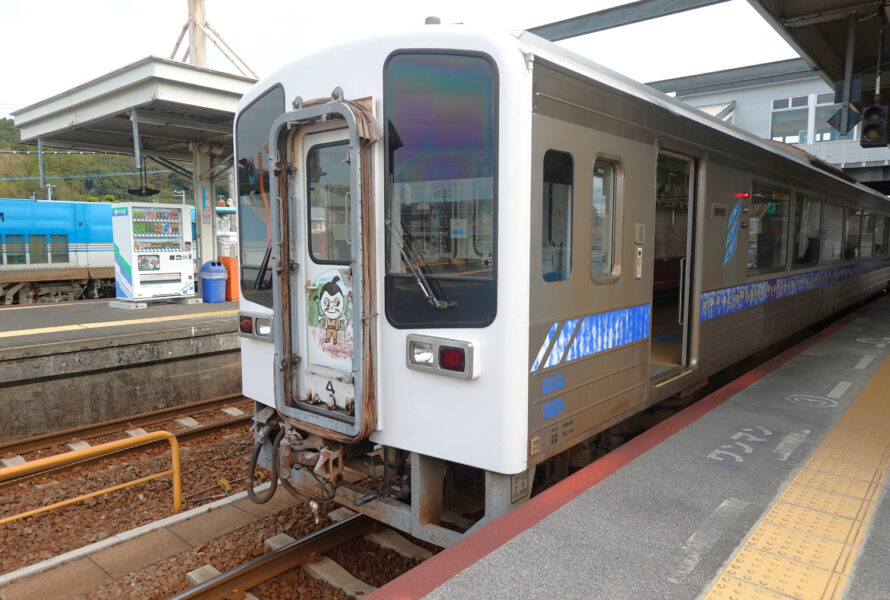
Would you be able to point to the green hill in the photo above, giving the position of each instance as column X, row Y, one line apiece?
column 79, row 176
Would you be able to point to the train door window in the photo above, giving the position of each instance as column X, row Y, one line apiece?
column 807, row 223
column 852, row 229
column 58, row 248
column 880, row 236
column 37, row 249
column 556, row 234
column 602, row 234
column 768, row 229
column 832, row 233
column 327, row 174
column 867, row 238
column 15, row 249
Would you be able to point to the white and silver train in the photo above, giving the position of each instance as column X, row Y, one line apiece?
column 464, row 254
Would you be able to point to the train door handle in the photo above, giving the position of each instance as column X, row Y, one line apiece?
column 347, row 214
column 682, row 290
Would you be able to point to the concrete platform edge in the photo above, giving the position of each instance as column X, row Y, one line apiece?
column 84, row 551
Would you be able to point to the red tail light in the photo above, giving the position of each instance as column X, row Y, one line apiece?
column 452, row 359
column 245, row 324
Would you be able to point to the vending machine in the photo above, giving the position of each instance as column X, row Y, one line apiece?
column 153, row 255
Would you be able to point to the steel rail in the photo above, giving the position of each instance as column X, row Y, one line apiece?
column 40, row 442
column 236, row 582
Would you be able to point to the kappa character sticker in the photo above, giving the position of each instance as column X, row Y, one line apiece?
column 331, row 305
column 330, row 315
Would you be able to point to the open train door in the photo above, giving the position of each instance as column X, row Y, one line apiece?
column 675, row 192
column 324, row 264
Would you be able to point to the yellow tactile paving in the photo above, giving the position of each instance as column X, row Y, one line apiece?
column 863, row 430
column 813, row 522
column 836, row 484
column 849, row 455
column 827, row 502
column 806, row 544
column 782, row 575
column 809, row 549
column 839, row 467
column 727, row 588
column 849, row 441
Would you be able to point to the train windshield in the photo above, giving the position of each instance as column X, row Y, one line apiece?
column 254, row 230
column 441, row 160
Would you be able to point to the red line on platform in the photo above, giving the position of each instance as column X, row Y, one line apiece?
column 426, row 577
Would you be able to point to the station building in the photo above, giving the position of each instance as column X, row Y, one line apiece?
column 786, row 101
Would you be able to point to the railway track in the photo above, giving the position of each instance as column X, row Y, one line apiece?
column 240, row 579
column 49, row 440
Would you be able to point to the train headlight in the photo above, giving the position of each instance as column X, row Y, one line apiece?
column 263, row 327
column 245, row 324
column 421, row 353
column 443, row 356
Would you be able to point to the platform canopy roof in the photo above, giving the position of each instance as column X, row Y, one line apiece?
column 818, row 30
column 176, row 104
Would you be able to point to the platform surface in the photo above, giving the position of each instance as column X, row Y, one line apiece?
column 48, row 323
column 773, row 487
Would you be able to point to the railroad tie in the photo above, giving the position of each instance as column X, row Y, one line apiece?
column 336, row 576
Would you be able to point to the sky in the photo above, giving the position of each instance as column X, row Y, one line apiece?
column 51, row 46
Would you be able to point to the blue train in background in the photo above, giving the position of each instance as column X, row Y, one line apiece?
column 53, row 250
column 58, row 250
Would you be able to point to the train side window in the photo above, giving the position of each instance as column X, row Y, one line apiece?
column 556, row 234
column 58, row 248
column 807, row 224
column 37, row 249
column 880, row 236
column 867, row 239
column 852, row 232
column 602, row 234
column 832, row 233
column 15, row 249
column 768, row 229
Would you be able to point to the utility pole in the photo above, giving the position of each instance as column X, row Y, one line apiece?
column 197, row 37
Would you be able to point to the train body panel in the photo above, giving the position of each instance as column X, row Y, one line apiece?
column 54, row 250
column 534, row 249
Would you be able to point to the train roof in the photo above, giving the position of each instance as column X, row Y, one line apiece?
column 455, row 36
column 584, row 66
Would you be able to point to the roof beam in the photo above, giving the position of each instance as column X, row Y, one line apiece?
column 867, row 10
column 618, row 16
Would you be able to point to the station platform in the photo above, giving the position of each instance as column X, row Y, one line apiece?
column 75, row 363
column 35, row 324
column 773, row 487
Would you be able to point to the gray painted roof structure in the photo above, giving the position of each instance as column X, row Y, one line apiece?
column 177, row 104
column 817, row 29
column 764, row 74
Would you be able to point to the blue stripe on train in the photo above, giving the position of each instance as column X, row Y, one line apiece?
column 595, row 333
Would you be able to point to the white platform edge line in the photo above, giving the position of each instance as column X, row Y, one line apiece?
column 840, row 389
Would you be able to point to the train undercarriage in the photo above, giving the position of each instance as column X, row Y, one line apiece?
column 431, row 499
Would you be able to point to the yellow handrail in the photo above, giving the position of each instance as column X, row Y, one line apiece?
column 35, row 466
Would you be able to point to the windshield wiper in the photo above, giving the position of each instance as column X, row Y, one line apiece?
column 421, row 279
column 264, row 267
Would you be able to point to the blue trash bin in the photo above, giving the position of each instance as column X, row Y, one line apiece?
column 213, row 281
